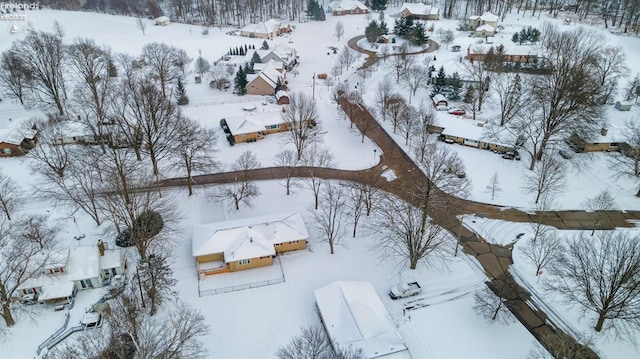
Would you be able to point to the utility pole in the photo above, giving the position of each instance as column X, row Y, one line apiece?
column 313, row 96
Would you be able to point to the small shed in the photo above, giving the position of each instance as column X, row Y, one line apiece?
column 282, row 98
column 623, row 106
column 439, row 100
column 162, row 21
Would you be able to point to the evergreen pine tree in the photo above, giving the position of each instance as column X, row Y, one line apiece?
column 240, row 82
column 469, row 94
column 256, row 58
column 419, row 34
column 181, row 94
column 245, row 49
column 515, row 38
column 454, row 83
column 372, row 31
column 265, row 45
column 440, row 82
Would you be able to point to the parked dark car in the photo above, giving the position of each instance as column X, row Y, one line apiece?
column 224, row 126
column 231, row 140
column 512, row 155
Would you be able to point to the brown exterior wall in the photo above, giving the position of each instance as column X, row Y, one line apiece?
column 260, row 87
column 255, row 263
column 254, row 136
column 15, row 150
column 288, row 246
column 599, row 147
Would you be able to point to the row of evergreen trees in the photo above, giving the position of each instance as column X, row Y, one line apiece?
column 376, row 29
column 241, row 50
column 450, row 86
column 529, row 34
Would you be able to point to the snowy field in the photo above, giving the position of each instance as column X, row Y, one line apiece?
column 254, row 323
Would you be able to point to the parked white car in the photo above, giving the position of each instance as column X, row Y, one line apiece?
column 405, row 290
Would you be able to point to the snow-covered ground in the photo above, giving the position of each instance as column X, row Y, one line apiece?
column 254, row 323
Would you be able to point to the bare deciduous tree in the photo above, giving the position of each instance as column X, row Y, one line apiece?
column 383, row 92
column 36, row 230
column 356, row 202
column 20, row 260
column 481, row 77
column 49, row 158
column 316, row 157
column 14, row 76
column 157, row 279
column 162, row 61
column 329, row 217
column 415, row 77
column 542, row 251
column 313, row 343
column 338, row 30
column 409, row 123
column 194, row 149
column 406, row 231
column 10, row 196
column 202, row 66
column 347, row 57
column 565, row 102
column 600, row 274
column 562, row 345
column 42, row 55
column 510, row 91
column 490, row 302
column 603, row 201
column 286, row 160
column 141, row 24
column 547, row 178
column 300, row 117
column 627, row 162
column 494, row 186
column 243, row 190
column 402, row 60
column 395, row 108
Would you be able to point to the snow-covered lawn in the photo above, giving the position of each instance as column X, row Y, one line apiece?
column 254, row 323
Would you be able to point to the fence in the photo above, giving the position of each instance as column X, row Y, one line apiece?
column 52, row 337
column 244, row 286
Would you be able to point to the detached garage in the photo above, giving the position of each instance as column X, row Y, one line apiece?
column 354, row 316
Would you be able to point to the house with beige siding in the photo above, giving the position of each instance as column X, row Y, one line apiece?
column 254, row 126
column 246, row 243
column 348, row 7
column 266, row 82
column 419, row 11
column 265, row 29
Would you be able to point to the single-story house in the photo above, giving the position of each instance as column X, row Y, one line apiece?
column 466, row 132
column 510, row 52
column 17, row 141
column 485, row 19
column 266, row 81
column 348, row 7
column 282, row 98
column 623, row 106
column 485, row 31
column 246, row 243
column 161, row 21
column 77, row 268
column 608, row 140
column 253, row 127
column 264, row 29
column 419, row 11
column 439, row 100
column 355, row 319
column 278, row 65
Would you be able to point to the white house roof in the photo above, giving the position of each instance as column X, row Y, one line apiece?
column 112, row 258
column 281, row 93
column 263, row 27
column 56, row 290
column 346, row 5
column 438, row 97
column 16, row 135
column 83, row 263
column 269, row 74
column 355, row 317
column 248, row 237
column 487, row 16
column 241, row 125
column 486, row 27
column 278, row 65
column 285, row 53
column 510, row 48
column 419, row 9
column 466, row 128
column 161, row 19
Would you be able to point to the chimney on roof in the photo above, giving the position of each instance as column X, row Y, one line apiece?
column 603, row 131
column 101, row 247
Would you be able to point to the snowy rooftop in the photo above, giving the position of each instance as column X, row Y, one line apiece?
column 485, row 27
column 354, row 316
column 487, row 16
column 248, row 237
column 13, row 131
column 419, row 9
column 510, row 48
column 264, row 27
column 276, row 64
column 347, row 5
column 56, row 290
column 112, row 258
column 253, row 122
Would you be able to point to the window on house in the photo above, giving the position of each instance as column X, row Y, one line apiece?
column 57, row 270
column 615, row 144
column 244, row 261
column 273, row 127
column 6, row 151
column 293, row 242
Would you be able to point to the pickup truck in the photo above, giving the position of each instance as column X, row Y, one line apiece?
column 405, row 290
